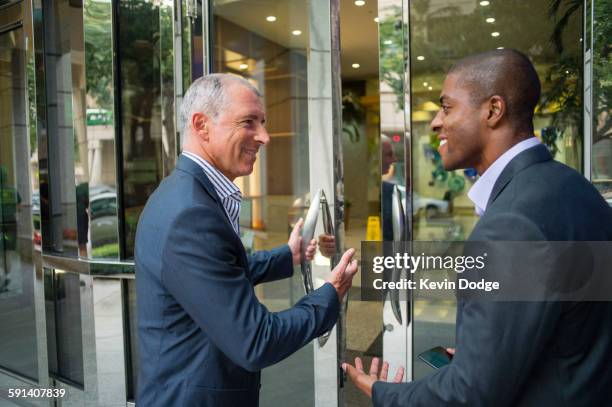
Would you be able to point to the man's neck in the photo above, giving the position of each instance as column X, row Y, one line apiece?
column 196, row 149
column 497, row 148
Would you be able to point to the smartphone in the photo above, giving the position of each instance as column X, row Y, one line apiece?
column 436, row 357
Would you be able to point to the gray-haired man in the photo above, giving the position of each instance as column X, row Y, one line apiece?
column 203, row 335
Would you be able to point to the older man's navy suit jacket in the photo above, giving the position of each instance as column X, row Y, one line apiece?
column 203, row 335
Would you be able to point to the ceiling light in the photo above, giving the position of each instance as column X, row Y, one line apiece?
column 271, row 19
column 490, row 20
column 376, row 19
column 567, row 72
column 421, row 58
column 359, row 3
column 494, row 34
column 296, row 32
column 484, row 3
column 425, row 84
column 430, row 88
column 387, row 42
column 243, row 67
column 355, row 66
column 500, row 47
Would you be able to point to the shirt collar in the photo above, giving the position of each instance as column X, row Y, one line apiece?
column 223, row 186
column 480, row 192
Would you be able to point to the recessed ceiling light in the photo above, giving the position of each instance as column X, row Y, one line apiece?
column 243, row 67
column 359, row 3
column 567, row 72
column 425, row 84
column 296, row 32
column 490, row 20
column 421, row 58
column 430, row 88
column 387, row 42
column 376, row 19
column 355, row 66
column 484, row 3
column 494, row 34
column 271, row 19
column 500, row 47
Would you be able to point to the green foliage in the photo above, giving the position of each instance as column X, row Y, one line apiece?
column 391, row 34
column 99, row 53
column 353, row 116
column 110, row 250
column 564, row 76
column 602, row 68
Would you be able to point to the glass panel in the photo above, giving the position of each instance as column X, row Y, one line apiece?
column 373, row 150
column 18, row 205
column 63, row 148
column 273, row 56
column 97, row 194
column 602, row 93
column 442, row 32
column 64, row 332
column 132, row 312
column 145, row 62
column 169, row 147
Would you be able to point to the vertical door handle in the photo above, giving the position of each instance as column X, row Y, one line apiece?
column 308, row 230
column 399, row 228
column 317, row 204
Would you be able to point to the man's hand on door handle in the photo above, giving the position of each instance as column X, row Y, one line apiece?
column 327, row 245
column 342, row 275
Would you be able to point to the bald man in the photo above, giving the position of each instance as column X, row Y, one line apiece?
column 512, row 353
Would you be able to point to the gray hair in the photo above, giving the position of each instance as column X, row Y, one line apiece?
column 208, row 95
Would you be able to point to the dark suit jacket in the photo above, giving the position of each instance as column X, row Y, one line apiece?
column 519, row 353
column 203, row 335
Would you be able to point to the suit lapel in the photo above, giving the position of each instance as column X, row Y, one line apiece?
column 523, row 160
column 187, row 165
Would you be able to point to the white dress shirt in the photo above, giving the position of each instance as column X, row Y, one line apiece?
column 228, row 192
column 481, row 190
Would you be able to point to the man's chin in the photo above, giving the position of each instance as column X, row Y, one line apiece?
column 246, row 169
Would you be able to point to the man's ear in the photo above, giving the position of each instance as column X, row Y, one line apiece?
column 199, row 124
column 496, row 110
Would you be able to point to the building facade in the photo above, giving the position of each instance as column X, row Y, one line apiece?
column 89, row 97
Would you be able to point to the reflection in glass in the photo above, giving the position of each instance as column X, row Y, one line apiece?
column 63, row 320
column 132, row 371
column 18, row 171
column 277, row 192
column 363, row 117
column 141, row 110
column 442, row 33
column 66, row 146
column 96, row 195
column 602, row 93
column 169, row 151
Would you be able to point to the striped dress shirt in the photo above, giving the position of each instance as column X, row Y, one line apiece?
column 228, row 192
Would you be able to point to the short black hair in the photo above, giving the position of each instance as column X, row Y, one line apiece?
column 504, row 72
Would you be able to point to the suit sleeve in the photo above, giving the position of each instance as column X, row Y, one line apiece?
column 200, row 272
column 271, row 265
column 497, row 344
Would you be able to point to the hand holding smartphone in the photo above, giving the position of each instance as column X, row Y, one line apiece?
column 436, row 357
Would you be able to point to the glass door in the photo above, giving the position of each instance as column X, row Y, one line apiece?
column 287, row 49
column 18, row 204
column 376, row 166
column 442, row 32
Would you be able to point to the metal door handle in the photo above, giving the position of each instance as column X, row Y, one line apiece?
column 399, row 227
column 308, row 230
column 318, row 204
